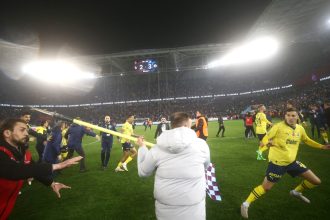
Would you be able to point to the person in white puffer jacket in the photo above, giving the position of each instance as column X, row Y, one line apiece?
column 180, row 159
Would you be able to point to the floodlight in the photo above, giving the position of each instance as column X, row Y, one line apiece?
column 256, row 50
column 56, row 71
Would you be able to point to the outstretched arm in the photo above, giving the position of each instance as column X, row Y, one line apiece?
column 310, row 142
column 145, row 159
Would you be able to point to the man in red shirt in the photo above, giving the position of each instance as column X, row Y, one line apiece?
column 16, row 165
column 248, row 122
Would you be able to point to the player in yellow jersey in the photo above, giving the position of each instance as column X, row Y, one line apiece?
column 284, row 139
column 129, row 151
column 261, row 130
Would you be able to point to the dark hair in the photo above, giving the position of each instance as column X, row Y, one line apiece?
column 291, row 110
column 25, row 113
column 43, row 122
column 178, row 118
column 128, row 116
column 290, row 102
column 9, row 124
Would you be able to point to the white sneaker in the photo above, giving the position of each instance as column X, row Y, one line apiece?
column 245, row 210
column 299, row 195
column 118, row 169
column 124, row 166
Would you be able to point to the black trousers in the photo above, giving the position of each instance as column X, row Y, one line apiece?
column 221, row 128
column 81, row 152
column 248, row 129
column 40, row 149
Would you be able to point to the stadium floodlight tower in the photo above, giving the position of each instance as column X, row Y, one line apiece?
column 256, row 50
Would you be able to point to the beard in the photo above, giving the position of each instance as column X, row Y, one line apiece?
column 21, row 142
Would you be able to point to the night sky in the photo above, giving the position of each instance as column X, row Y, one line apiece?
column 99, row 27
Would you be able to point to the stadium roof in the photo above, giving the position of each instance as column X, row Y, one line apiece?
column 169, row 59
column 292, row 21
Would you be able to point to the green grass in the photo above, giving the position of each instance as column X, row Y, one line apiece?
column 108, row 195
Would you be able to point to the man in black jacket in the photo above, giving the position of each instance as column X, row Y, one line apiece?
column 16, row 165
column 221, row 126
column 162, row 126
column 107, row 141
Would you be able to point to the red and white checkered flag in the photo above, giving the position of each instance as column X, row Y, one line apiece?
column 212, row 188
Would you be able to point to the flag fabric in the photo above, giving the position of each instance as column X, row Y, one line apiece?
column 212, row 187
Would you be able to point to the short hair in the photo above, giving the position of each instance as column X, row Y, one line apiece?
column 25, row 113
column 43, row 122
column 178, row 118
column 261, row 105
column 9, row 124
column 130, row 115
column 291, row 110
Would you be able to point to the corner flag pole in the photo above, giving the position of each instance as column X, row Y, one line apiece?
column 89, row 125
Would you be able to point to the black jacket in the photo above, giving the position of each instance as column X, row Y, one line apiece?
column 159, row 129
column 12, row 170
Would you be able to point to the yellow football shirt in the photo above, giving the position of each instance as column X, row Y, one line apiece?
column 64, row 140
column 261, row 123
column 41, row 130
column 285, row 143
column 128, row 130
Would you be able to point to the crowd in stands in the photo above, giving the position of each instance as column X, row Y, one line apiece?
column 228, row 106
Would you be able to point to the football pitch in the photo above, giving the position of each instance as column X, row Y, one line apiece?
column 99, row 194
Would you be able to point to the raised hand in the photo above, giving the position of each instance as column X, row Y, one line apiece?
column 57, row 187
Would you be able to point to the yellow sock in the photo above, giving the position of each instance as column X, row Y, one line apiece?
column 304, row 185
column 129, row 159
column 325, row 136
column 119, row 164
column 255, row 194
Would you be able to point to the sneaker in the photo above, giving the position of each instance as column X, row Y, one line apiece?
column 259, row 156
column 118, row 169
column 244, row 210
column 300, row 196
column 124, row 166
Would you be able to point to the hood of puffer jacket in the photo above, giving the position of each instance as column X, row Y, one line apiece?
column 176, row 140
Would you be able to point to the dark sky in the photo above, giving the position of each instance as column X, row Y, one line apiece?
column 96, row 27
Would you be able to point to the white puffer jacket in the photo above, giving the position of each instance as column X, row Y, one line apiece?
column 180, row 159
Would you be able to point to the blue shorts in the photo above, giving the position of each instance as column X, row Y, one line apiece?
column 275, row 172
column 127, row 146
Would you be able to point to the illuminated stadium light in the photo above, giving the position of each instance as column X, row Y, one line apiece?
column 56, row 71
column 120, row 102
column 244, row 93
column 325, row 78
column 257, row 50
